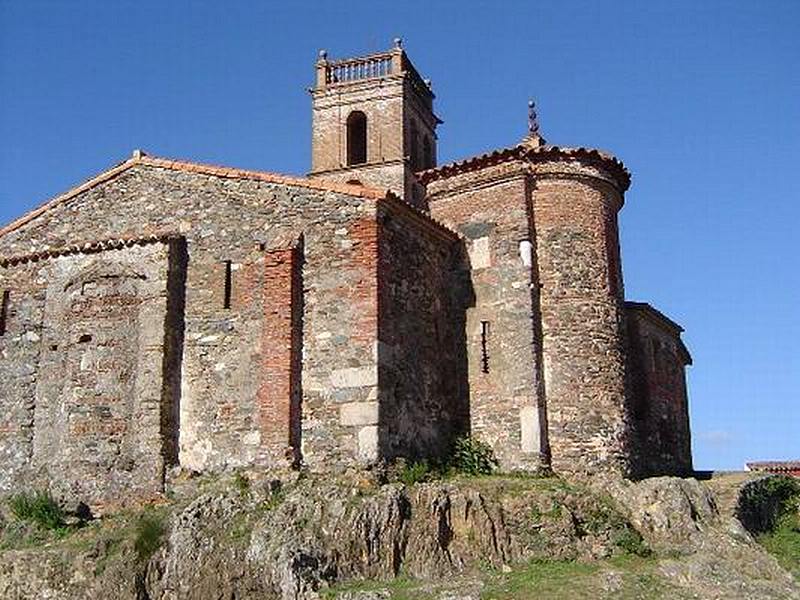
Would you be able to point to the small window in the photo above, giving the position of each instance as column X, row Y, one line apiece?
column 4, row 312
column 414, row 147
column 356, row 138
column 427, row 153
column 226, row 304
column 485, row 346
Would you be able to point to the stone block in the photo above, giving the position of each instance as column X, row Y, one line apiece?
column 368, row 443
column 480, row 256
column 529, row 428
column 355, row 377
column 359, row 413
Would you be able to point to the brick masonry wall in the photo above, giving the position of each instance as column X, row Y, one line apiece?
column 279, row 394
column 393, row 110
column 382, row 101
column 94, row 389
column 421, row 351
column 491, row 209
column 659, row 409
column 575, row 209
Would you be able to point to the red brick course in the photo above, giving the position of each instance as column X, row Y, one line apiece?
column 278, row 399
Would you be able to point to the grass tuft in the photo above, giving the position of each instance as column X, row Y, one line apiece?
column 417, row 472
column 149, row 534
column 783, row 542
column 242, row 484
column 40, row 509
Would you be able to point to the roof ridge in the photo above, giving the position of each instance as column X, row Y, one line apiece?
column 268, row 176
column 101, row 245
column 68, row 195
column 140, row 158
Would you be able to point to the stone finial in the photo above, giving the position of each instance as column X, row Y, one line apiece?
column 398, row 43
column 323, row 54
column 137, row 154
column 533, row 120
column 534, row 138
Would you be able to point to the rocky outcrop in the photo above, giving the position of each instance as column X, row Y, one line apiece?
column 231, row 539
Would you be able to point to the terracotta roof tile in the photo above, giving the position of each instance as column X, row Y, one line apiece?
column 87, row 248
column 533, row 153
column 774, row 465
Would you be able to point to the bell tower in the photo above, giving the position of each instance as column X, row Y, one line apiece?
column 373, row 122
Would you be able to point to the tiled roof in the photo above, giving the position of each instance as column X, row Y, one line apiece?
column 532, row 153
column 86, row 248
column 774, row 465
column 139, row 158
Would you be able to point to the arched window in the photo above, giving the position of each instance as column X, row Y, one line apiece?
column 427, row 153
column 356, row 138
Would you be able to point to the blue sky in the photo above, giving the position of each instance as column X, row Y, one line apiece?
column 701, row 100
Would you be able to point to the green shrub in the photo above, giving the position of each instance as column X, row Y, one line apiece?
column 471, row 456
column 416, row 472
column 150, row 532
column 38, row 508
column 630, row 541
column 764, row 502
column 784, row 542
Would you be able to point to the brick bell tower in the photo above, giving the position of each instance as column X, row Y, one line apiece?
column 373, row 122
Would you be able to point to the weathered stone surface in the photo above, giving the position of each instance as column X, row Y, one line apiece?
column 101, row 407
column 294, row 542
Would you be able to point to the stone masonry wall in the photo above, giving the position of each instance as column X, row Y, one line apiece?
column 95, row 392
column 20, row 352
column 421, row 349
column 575, row 209
column 491, row 209
column 341, row 375
column 235, row 220
column 659, row 410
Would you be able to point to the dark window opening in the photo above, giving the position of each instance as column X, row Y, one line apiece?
column 414, row 150
column 356, row 138
column 85, row 339
column 485, row 346
column 427, row 153
column 4, row 312
column 228, row 284
column 612, row 249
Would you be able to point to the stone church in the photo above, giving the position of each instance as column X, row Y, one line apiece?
column 169, row 313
